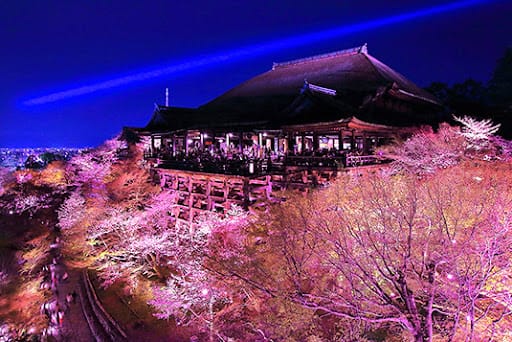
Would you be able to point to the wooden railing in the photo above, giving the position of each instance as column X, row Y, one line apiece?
column 248, row 167
column 103, row 327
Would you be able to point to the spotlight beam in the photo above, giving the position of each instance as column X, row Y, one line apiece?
column 248, row 52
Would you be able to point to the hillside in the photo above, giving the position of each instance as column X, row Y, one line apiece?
column 420, row 251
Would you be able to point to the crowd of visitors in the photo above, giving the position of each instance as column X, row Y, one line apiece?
column 254, row 159
column 56, row 309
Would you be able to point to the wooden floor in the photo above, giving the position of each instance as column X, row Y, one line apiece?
column 197, row 192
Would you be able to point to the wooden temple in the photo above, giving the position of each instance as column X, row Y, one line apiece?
column 303, row 121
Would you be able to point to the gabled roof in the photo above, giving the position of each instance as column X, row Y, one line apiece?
column 314, row 104
column 171, row 118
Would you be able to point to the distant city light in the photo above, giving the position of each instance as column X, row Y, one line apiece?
column 247, row 52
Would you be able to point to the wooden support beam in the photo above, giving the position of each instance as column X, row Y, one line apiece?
column 208, row 195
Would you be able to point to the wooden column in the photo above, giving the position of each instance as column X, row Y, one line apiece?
column 302, row 142
column 186, row 143
column 190, row 199
column 340, row 140
column 214, row 142
column 174, row 140
column 353, row 140
column 208, row 191
column 316, row 144
column 291, row 142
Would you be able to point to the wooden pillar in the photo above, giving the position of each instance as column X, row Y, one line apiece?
column 316, row 143
column 276, row 144
column 152, row 144
column 174, row 140
column 291, row 142
column 241, row 142
column 190, row 199
column 268, row 188
column 302, row 142
column 186, row 143
column 246, row 192
column 365, row 144
column 208, row 192
column 340, row 140
column 353, row 140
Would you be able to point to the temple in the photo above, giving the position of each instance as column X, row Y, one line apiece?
column 308, row 116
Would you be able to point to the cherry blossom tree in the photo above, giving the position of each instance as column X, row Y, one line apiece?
column 430, row 256
column 72, row 211
column 428, row 151
column 91, row 167
column 192, row 291
column 478, row 133
column 6, row 177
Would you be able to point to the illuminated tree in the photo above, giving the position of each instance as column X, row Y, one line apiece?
column 72, row 211
column 91, row 167
column 478, row 134
column 193, row 292
column 430, row 256
column 426, row 151
column 6, row 177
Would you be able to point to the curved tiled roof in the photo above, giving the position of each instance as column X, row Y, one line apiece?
column 343, row 83
column 352, row 70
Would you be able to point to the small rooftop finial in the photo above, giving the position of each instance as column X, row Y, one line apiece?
column 364, row 48
column 167, row 97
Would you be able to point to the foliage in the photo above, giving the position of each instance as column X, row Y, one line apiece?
column 53, row 175
column 430, row 256
column 192, row 292
column 91, row 167
column 6, row 178
column 500, row 85
column 72, row 211
column 426, row 151
column 478, row 134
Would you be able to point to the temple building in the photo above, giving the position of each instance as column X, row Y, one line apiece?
column 342, row 105
column 296, row 126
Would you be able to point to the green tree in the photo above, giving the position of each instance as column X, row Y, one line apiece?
column 500, row 85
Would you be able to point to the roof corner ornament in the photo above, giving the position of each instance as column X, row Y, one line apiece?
column 364, row 48
column 305, row 86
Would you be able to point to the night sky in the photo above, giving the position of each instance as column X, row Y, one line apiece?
column 55, row 46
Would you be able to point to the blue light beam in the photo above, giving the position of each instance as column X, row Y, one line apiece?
column 249, row 52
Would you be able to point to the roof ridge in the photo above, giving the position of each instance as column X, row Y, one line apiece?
column 319, row 89
column 350, row 51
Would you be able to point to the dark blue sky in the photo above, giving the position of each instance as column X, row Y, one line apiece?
column 52, row 46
